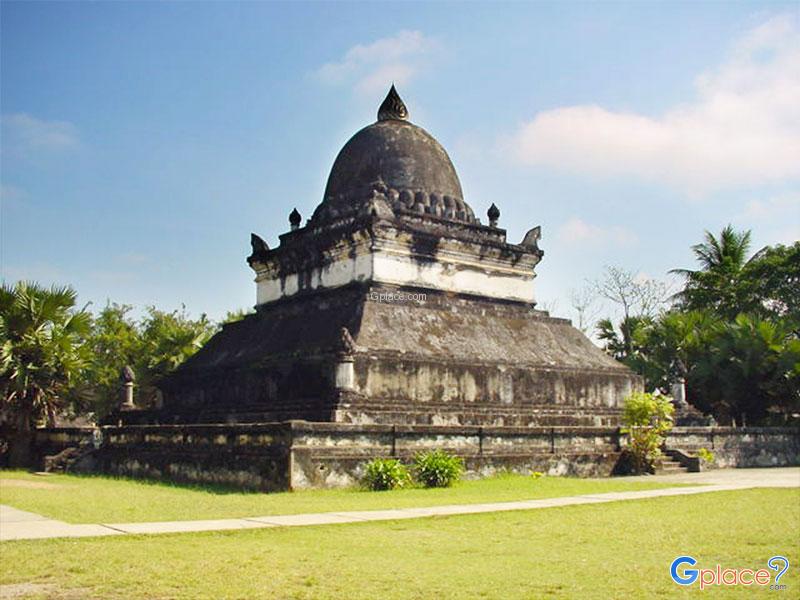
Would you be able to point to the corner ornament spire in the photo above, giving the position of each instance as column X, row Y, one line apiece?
column 392, row 107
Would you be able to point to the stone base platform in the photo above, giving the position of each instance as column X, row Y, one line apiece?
column 300, row 454
column 433, row 359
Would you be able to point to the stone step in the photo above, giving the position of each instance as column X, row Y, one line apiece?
column 670, row 467
column 670, row 471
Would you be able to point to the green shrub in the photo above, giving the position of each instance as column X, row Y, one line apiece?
column 385, row 474
column 706, row 455
column 646, row 418
column 437, row 468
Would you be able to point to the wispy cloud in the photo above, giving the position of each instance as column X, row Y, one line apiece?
column 776, row 217
column 370, row 68
column 578, row 231
column 781, row 206
column 743, row 127
column 24, row 134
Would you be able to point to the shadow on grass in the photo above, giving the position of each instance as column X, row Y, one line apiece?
column 211, row 488
column 230, row 489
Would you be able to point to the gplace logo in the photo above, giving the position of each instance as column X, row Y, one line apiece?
column 719, row 576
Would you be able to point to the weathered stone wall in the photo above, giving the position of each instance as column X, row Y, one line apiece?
column 399, row 388
column 440, row 359
column 741, row 446
column 243, row 455
column 331, row 455
column 299, row 454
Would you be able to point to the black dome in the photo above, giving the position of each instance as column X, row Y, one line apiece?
column 399, row 160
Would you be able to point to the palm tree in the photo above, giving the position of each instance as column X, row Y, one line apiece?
column 41, row 357
column 721, row 284
column 751, row 366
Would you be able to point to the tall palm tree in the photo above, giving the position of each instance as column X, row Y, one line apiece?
column 720, row 284
column 41, row 356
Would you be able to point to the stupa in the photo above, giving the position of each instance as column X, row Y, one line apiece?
column 394, row 304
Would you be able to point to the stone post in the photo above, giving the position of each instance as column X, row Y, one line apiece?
column 679, row 393
column 345, row 376
column 128, row 392
column 344, row 371
column 127, row 378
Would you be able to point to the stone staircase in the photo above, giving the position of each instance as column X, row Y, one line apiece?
column 67, row 459
column 676, row 462
column 670, row 467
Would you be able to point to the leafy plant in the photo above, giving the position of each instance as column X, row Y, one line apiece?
column 706, row 455
column 646, row 418
column 385, row 474
column 437, row 468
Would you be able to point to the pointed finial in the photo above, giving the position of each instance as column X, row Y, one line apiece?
column 493, row 213
column 294, row 219
column 392, row 107
column 259, row 245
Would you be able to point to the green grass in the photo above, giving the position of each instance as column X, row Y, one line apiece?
column 94, row 499
column 617, row 550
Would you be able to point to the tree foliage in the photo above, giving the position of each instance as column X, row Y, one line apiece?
column 152, row 346
column 56, row 359
column 746, row 368
column 41, row 352
column 732, row 333
column 168, row 339
column 719, row 285
column 639, row 299
column 114, row 343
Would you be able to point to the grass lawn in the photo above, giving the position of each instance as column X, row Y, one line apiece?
column 94, row 499
column 618, row 550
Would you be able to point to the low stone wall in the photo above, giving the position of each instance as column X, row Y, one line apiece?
column 299, row 454
column 334, row 454
column 246, row 456
column 740, row 446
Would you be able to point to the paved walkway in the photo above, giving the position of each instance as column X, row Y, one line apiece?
column 20, row 525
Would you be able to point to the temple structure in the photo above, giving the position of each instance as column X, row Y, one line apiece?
column 391, row 323
column 394, row 304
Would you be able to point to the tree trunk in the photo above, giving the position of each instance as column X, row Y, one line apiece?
column 20, row 451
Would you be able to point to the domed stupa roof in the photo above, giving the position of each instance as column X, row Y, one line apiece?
column 399, row 160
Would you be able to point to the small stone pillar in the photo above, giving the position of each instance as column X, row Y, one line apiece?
column 679, row 393
column 127, row 377
column 294, row 220
column 494, row 214
column 344, row 377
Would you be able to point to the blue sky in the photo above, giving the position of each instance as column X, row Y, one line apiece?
column 143, row 142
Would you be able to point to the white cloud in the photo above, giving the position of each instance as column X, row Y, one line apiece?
column 776, row 219
column 371, row 68
column 24, row 133
column 743, row 127
column 578, row 231
column 783, row 207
